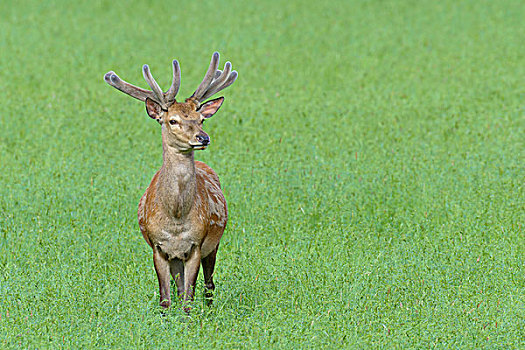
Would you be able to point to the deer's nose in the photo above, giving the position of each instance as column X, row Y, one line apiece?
column 204, row 139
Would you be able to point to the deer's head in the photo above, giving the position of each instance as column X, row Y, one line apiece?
column 181, row 121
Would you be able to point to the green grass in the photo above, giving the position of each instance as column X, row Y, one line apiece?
column 371, row 153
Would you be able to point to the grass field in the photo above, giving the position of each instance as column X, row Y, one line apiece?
column 371, row 153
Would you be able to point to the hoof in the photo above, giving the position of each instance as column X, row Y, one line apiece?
column 208, row 297
column 165, row 304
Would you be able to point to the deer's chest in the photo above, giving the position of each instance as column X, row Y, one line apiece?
column 176, row 239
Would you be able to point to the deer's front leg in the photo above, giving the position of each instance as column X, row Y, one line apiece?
column 162, row 267
column 191, row 270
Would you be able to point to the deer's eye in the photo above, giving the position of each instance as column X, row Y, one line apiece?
column 173, row 122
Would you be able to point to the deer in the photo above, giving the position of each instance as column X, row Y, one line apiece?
column 183, row 213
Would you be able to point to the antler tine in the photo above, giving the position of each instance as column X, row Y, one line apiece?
column 175, row 85
column 134, row 91
column 154, row 86
column 231, row 78
column 218, row 81
column 210, row 74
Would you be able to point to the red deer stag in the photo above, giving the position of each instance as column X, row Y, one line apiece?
column 182, row 214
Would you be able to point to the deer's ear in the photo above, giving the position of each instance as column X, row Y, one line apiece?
column 209, row 108
column 154, row 110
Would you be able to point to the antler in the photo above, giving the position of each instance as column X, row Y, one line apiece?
column 214, row 80
column 165, row 99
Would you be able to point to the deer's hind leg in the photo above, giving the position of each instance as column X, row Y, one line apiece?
column 177, row 272
column 208, row 266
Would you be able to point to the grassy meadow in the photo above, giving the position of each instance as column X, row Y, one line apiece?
column 371, row 153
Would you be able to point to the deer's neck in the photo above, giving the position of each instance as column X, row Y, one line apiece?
column 177, row 183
